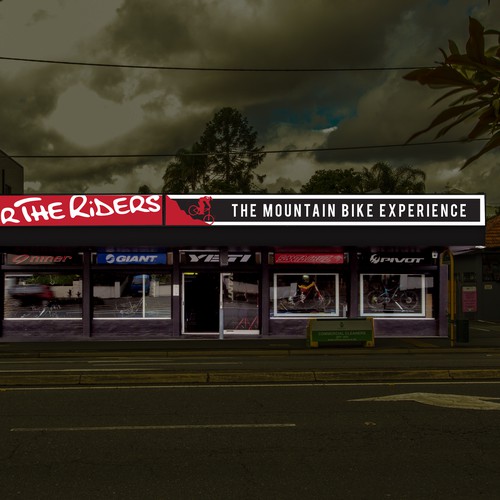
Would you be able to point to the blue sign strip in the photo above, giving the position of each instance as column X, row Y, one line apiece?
column 131, row 258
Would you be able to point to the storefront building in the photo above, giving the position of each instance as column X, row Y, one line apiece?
column 11, row 175
column 477, row 277
column 130, row 267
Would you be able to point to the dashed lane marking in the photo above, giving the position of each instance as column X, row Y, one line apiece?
column 151, row 427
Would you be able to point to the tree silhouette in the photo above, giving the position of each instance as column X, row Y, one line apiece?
column 223, row 160
column 380, row 177
column 389, row 180
column 336, row 181
column 475, row 72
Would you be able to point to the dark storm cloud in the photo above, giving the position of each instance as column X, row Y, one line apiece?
column 39, row 15
column 172, row 107
column 26, row 100
column 253, row 33
column 258, row 34
column 393, row 110
column 152, row 31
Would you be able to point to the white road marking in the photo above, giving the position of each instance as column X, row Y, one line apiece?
column 121, row 369
column 132, row 362
column 239, row 386
column 168, row 363
column 150, row 427
column 444, row 400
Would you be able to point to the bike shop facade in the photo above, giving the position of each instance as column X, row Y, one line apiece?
column 130, row 267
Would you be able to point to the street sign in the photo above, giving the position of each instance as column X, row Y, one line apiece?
column 331, row 331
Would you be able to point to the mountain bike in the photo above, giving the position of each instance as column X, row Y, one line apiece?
column 128, row 308
column 51, row 310
column 405, row 300
column 311, row 300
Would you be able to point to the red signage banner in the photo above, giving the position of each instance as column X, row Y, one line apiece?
column 308, row 258
column 237, row 210
column 34, row 260
column 81, row 210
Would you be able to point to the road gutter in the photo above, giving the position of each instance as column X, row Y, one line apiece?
column 238, row 377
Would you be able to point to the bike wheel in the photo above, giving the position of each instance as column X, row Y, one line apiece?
column 285, row 304
column 323, row 301
column 375, row 300
column 209, row 219
column 193, row 210
column 409, row 300
column 291, row 304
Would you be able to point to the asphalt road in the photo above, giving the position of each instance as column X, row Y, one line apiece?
column 271, row 366
column 318, row 441
column 257, row 362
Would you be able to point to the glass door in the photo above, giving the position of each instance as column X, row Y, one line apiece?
column 240, row 299
column 203, row 293
column 200, row 302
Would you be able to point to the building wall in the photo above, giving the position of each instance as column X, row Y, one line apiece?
column 11, row 175
column 479, row 271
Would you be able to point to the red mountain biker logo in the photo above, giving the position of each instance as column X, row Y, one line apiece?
column 202, row 209
column 188, row 211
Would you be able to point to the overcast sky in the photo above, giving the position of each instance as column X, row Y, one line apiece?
column 51, row 109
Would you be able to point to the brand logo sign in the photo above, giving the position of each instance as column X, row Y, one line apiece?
column 131, row 258
column 81, row 210
column 27, row 259
column 309, row 258
column 376, row 258
column 214, row 258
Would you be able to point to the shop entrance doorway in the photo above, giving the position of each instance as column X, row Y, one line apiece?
column 201, row 302
column 210, row 296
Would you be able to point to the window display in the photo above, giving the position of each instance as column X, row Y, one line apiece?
column 241, row 302
column 52, row 295
column 392, row 294
column 313, row 294
column 129, row 295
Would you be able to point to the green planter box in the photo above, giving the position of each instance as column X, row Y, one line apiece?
column 331, row 331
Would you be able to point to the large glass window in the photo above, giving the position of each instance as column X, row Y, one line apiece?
column 241, row 302
column 396, row 295
column 54, row 295
column 305, row 294
column 125, row 294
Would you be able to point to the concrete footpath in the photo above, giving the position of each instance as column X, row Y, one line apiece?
column 229, row 361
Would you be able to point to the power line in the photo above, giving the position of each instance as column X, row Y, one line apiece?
column 201, row 68
column 241, row 153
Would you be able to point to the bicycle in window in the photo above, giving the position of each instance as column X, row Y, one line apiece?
column 308, row 299
column 50, row 310
column 404, row 300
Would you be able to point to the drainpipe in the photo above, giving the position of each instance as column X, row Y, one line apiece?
column 452, row 300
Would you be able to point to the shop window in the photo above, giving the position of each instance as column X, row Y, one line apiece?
column 305, row 294
column 54, row 295
column 469, row 277
column 396, row 295
column 491, row 267
column 241, row 302
column 128, row 295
